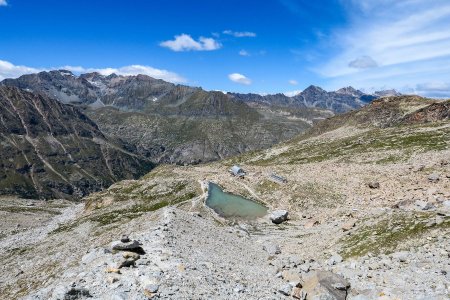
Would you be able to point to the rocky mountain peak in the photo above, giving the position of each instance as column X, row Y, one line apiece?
column 349, row 90
column 112, row 76
column 61, row 72
column 92, row 76
column 313, row 89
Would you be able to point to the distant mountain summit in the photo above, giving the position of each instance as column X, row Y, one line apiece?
column 387, row 93
column 127, row 92
column 350, row 91
column 342, row 100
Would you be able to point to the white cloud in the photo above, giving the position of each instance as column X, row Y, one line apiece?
column 292, row 93
column 3, row 3
column 244, row 53
column 293, row 82
column 9, row 70
column 239, row 33
column 239, row 78
column 401, row 43
column 184, row 42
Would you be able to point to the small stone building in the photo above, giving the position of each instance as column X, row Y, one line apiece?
column 237, row 171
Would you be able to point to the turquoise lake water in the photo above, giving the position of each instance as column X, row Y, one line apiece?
column 233, row 206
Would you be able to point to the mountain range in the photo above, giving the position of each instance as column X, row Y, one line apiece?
column 144, row 93
column 133, row 122
column 173, row 123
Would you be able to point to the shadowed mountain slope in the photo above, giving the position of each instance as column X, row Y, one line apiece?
column 52, row 150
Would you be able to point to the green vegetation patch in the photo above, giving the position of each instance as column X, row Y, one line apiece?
column 389, row 233
column 407, row 139
column 27, row 209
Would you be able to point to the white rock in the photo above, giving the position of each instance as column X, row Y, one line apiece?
column 278, row 216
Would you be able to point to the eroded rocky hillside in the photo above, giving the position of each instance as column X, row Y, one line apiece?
column 52, row 150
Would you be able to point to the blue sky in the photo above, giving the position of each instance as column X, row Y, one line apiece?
column 246, row 46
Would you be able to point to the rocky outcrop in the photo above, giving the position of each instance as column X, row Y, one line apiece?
column 52, row 150
column 435, row 112
column 386, row 112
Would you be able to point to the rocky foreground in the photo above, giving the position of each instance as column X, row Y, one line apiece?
column 190, row 253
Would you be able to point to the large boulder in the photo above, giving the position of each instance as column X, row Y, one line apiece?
column 326, row 285
column 279, row 216
column 132, row 246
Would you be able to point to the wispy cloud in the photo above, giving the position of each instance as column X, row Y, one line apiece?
column 363, row 62
column 437, row 89
column 3, row 3
column 293, row 82
column 239, row 33
column 239, row 78
column 184, row 42
column 244, row 53
column 9, row 70
column 401, row 43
